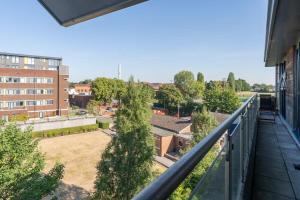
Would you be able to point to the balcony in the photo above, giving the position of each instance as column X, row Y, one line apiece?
column 255, row 160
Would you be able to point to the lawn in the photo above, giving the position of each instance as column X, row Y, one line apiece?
column 80, row 154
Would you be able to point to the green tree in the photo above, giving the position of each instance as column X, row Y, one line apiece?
column 86, row 81
column 212, row 95
column 103, row 90
column 21, row 166
column 119, row 89
column 220, row 99
column 202, row 124
column 185, row 82
column 126, row 164
column 93, row 107
column 242, row 85
column 229, row 101
column 200, row 77
column 169, row 96
column 231, row 81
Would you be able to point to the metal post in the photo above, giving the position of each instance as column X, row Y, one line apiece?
column 242, row 138
column 228, row 166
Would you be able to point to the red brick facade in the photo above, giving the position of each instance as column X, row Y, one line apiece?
column 56, row 101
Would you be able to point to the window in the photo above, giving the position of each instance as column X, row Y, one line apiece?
column 54, row 62
column 29, row 61
column 49, row 80
column 15, row 59
column 31, row 103
column 52, row 68
column 50, row 102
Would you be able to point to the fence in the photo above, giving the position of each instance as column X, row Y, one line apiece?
column 57, row 123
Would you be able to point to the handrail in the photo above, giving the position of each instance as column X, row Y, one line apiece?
column 165, row 184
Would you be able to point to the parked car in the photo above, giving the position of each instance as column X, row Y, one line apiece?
column 81, row 112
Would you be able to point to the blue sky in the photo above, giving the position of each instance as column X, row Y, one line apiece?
column 153, row 40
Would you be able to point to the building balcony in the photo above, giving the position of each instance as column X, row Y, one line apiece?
column 255, row 160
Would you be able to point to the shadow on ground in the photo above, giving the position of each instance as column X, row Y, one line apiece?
column 69, row 192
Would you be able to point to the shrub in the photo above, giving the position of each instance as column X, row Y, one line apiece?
column 103, row 125
column 18, row 118
column 2, row 122
column 65, row 131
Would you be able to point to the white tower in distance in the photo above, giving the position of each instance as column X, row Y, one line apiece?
column 119, row 71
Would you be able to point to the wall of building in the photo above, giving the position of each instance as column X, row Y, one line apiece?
column 80, row 100
column 167, row 144
column 40, row 68
column 57, row 124
column 289, row 68
column 186, row 130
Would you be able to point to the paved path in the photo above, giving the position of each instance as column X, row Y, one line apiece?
column 164, row 161
column 276, row 152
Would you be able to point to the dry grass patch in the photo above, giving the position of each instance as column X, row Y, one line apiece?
column 79, row 153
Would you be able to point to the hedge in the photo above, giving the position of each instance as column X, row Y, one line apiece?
column 103, row 125
column 18, row 118
column 64, row 131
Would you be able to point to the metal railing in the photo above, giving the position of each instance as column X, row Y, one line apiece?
column 226, row 177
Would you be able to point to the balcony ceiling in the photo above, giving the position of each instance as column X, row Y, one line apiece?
column 283, row 29
column 70, row 12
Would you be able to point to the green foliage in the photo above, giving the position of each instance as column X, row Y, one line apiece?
column 2, row 122
column 103, row 125
column 106, row 89
column 18, row 118
column 220, row 98
column 189, row 106
column 169, row 96
column 86, row 81
column 93, row 107
column 200, row 77
column 149, row 91
column 119, row 88
column 242, row 85
column 103, row 90
column 212, row 96
column 65, row 131
column 263, row 88
column 126, row 164
column 229, row 101
column 21, row 166
column 189, row 88
column 231, row 81
column 202, row 123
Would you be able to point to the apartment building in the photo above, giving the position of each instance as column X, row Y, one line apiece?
column 36, row 86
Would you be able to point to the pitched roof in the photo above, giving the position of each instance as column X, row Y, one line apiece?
column 220, row 117
column 170, row 123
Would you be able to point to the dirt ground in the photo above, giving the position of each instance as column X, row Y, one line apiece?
column 80, row 154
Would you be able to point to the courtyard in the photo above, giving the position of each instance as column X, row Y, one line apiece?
column 80, row 154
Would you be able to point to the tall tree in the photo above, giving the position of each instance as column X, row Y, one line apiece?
column 169, row 96
column 231, row 81
column 200, row 77
column 126, row 164
column 21, row 166
column 202, row 124
column 185, row 82
column 103, row 90
column 218, row 98
column 119, row 89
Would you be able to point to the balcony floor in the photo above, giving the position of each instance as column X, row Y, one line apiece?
column 275, row 176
